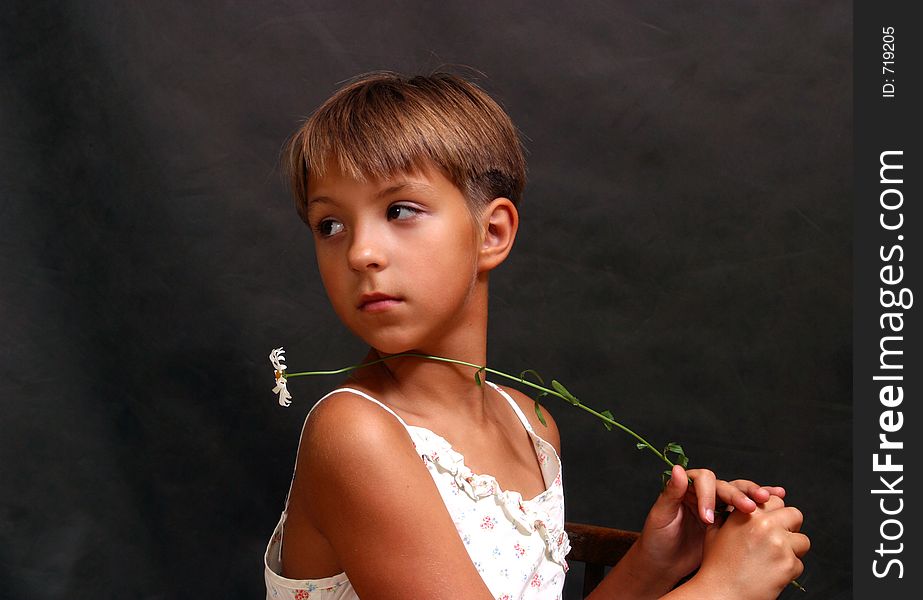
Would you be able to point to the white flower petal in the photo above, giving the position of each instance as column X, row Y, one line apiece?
column 282, row 389
column 277, row 358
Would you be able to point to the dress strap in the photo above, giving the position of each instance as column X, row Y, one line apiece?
column 522, row 417
column 364, row 395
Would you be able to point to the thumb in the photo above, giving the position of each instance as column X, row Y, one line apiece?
column 675, row 490
column 671, row 498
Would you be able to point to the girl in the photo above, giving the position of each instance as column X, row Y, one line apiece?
column 411, row 481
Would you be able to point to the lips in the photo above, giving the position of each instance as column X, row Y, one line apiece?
column 377, row 302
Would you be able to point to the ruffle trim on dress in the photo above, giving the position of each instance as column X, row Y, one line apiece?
column 527, row 515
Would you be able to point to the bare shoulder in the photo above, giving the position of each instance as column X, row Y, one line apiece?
column 363, row 487
column 548, row 430
column 345, row 414
column 346, row 430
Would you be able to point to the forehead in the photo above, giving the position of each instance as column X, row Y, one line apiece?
column 334, row 184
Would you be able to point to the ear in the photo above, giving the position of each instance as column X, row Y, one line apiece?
column 499, row 223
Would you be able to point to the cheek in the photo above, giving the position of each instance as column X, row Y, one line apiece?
column 451, row 265
column 457, row 241
column 332, row 279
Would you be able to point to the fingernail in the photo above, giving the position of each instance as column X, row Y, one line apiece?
column 709, row 515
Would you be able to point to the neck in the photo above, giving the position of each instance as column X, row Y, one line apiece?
column 429, row 388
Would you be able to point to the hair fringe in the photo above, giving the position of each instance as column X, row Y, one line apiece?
column 382, row 123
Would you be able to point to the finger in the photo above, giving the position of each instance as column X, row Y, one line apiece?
column 670, row 499
column 800, row 544
column 775, row 490
column 760, row 493
column 774, row 503
column 754, row 491
column 737, row 494
column 797, row 568
column 704, row 483
column 791, row 518
column 676, row 487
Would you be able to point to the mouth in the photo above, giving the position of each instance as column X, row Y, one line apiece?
column 377, row 302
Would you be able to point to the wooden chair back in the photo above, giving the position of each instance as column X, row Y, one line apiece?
column 597, row 547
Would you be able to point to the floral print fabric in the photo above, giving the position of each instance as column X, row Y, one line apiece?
column 517, row 545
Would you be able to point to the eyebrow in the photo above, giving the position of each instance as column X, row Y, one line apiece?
column 410, row 186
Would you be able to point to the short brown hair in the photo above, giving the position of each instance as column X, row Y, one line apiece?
column 384, row 123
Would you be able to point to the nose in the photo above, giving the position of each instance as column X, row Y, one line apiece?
column 366, row 251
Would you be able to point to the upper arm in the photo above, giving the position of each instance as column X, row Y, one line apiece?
column 370, row 495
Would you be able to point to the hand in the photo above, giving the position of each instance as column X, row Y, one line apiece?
column 753, row 555
column 673, row 535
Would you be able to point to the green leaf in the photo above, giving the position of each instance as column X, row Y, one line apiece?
column 641, row 445
column 538, row 411
column 477, row 375
column 665, row 478
column 679, row 457
column 556, row 385
column 534, row 373
column 608, row 415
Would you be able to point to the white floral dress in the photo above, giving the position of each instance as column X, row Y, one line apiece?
column 517, row 545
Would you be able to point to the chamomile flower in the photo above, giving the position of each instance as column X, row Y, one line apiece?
column 282, row 390
column 277, row 358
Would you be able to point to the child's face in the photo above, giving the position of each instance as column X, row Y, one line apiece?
column 398, row 257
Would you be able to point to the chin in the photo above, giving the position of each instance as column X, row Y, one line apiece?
column 391, row 344
column 402, row 338
column 386, row 350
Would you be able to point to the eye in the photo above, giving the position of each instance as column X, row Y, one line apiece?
column 328, row 227
column 402, row 212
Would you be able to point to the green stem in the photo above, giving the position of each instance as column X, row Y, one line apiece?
column 486, row 369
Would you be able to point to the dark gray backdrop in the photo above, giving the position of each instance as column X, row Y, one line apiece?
column 684, row 261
